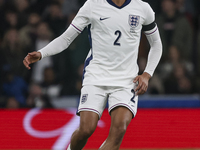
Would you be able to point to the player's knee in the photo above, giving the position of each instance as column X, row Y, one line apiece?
column 118, row 132
column 87, row 131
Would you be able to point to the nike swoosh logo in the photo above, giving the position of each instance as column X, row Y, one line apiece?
column 104, row 18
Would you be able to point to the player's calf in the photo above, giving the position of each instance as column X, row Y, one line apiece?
column 115, row 137
column 80, row 137
column 88, row 124
column 120, row 119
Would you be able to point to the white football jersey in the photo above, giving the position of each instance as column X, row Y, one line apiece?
column 114, row 34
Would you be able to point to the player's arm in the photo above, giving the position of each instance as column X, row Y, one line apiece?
column 62, row 42
column 56, row 46
column 151, row 31
column 153, row 60
column 155, row 52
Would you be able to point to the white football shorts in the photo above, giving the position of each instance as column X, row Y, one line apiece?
column 94, row 98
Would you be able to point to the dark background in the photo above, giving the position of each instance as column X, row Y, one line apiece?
column 28, row 25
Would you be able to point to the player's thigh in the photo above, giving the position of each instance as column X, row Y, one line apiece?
column 88, row 121
column 123, row 97
column 92, row 99
column 121, row 117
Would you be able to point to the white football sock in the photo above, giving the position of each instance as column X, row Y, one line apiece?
column 69, row 147
column 102, row 144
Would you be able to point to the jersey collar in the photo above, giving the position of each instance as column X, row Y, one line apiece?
column 113, row 4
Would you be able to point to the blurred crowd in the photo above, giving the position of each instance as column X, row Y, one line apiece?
column 29, row 25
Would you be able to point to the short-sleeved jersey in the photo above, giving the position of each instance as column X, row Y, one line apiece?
column 114, row 34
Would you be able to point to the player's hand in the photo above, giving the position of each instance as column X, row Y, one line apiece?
column 31, row 58
column 143, row 81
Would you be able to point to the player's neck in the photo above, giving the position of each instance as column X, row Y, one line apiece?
column 119, row 2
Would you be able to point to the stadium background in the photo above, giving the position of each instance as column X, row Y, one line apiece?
column 37, row 107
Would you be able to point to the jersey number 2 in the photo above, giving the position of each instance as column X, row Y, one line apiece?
column 117, row 40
